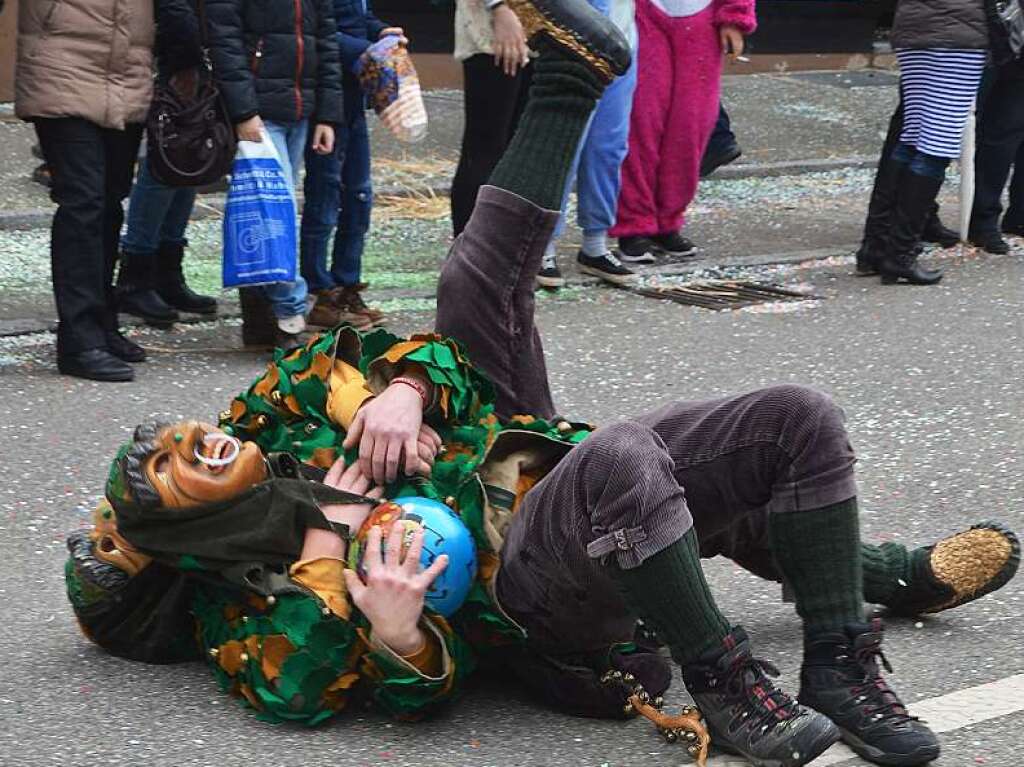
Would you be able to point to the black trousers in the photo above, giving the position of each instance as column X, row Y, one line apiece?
column 493, row 104
column 1000, row 145
column 92, row 171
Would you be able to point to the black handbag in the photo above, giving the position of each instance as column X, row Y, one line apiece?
column 1007, row 24
column 190, row 142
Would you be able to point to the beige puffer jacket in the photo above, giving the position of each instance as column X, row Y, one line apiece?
column 85, row 58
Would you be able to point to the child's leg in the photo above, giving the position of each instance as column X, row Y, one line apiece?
column 600, row 173
column 637, row 204
column 356, row 203
column 697, row 59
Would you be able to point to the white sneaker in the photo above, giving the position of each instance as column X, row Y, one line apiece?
column 292, row 325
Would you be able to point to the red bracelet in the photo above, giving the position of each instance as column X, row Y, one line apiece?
column 418, row 386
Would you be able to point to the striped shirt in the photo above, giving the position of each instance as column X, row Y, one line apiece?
column 938, row 88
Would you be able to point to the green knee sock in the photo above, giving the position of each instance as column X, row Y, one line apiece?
column 889, row 569
column 537, row 162
column 818, row 553
column 669, row 592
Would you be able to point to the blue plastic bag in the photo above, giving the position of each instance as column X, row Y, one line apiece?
column 259, row 219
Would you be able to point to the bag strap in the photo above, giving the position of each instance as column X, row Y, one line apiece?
column 211, row 160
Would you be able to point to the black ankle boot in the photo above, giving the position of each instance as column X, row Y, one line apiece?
column 134, row 293
column 259, row 328
column 841, row 679
column 914, row 200
column 170, row 282
column 122, row 348
column 935, row 231
column 746, row 714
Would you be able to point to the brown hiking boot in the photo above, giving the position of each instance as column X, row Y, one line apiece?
column 327, row 313
column 349, row 297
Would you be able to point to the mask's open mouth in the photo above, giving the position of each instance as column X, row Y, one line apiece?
column 217, row 451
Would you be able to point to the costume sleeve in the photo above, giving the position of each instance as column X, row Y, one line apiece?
column 348, row 392
column 306, row 657
column 460, row 390
column 736, row 13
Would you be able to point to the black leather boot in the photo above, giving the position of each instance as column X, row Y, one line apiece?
column 95, row 365
column 880, row 209
column 915, row 197
column 123, row 349
column 259, row 327
column 937, row 232
column 170, row 282
column 134, row 293
column 841, row 678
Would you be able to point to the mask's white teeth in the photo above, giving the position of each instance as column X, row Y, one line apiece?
column 221, row 444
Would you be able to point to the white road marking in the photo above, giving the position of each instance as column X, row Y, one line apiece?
column 943, row 714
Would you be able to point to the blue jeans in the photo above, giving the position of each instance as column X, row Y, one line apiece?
column 338, row 194
column 597, row 169
column 288, row 299
column 920, row 163
column 156, row 214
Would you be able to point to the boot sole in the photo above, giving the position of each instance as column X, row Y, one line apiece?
column 551, row 283
column 894, row 279
column 823, row 744
column 1002, row 577
column 615, row 279
column 103, row 378
column 920, row 755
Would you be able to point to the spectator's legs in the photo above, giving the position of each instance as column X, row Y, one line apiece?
column 1013, row 221
column 148, row 209
column 722, row 148
column 637, row 213
column 695, row 95
column 600, row 170
column 288, row 299
column 1000, row 138
column 493, row 102
column 883, row 200
column 320, row 213
column 356, row 203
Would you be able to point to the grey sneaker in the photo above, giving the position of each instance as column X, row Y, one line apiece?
column 747, row 714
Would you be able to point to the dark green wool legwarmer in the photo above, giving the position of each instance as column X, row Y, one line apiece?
column 537, row 162
column 669, row 592
column 819, row 555
column 889, row 569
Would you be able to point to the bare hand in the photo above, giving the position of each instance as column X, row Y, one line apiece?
column 732, row 41
column 510, row 49
column 385, row 428
column 250, row 130
column 186, row 83
column 397, row 32
column 351, row 480
column 323, row 139
column 392, row 597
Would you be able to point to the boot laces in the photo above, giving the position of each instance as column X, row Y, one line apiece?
column 747, row 683
column 877, row 700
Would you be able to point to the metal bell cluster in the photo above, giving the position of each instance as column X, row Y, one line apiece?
column 610, row 677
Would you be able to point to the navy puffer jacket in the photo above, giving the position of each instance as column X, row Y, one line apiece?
column 276, row 58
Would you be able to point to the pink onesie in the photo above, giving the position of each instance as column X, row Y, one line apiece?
column 674, row 109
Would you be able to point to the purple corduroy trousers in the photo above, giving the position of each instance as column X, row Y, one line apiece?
column 721, row 466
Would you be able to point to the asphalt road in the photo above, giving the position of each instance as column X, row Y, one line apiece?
column 931, row 382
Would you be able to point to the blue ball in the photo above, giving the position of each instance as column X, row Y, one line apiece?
column 443, row 533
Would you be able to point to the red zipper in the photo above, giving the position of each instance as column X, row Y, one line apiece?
column 298, row 66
